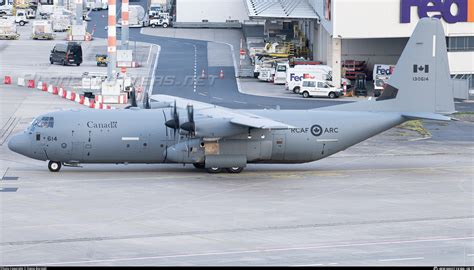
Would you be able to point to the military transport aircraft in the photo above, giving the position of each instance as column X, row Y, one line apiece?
column 175, row 130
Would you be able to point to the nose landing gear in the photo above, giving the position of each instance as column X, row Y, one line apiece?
column 54, row 166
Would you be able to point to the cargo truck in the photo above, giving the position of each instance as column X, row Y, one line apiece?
column 60, row 22
column 42, row 30
column 136, row 17
column 8, row 29
column 96, row 4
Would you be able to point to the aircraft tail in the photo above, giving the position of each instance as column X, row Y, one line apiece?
column 421, row 85
column 422, row 75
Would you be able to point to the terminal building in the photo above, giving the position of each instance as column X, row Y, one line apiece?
column 362, row 30
column 377, row 31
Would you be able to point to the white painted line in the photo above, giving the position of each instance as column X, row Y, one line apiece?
column 470, row 255
column 202, row 94
column 130, row 138
column 241, row 102
column 402, row 259
column 327, row 140
column 420, row 139
column 332, row 263
column 218, row 98
column 150, row 89
column 434, row 45
column 302, row 265
column 149, row 55
column 420, row 240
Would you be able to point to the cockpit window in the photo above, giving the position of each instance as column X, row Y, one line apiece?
column 44, row 122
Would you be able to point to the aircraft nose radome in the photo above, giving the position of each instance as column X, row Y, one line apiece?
column 19, row 144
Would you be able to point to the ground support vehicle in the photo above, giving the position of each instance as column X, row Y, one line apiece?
column 381, row 75
column 101, row 60
column 162, row 19
column 42, row 30
column 319, row 88
column 8, row 29
column 60, row 23
column 65, row 54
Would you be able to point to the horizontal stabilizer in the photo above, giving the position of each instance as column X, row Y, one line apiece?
column 426, row 116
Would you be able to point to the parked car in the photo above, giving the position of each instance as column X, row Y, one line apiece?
column 65, row 54
column 319, row 88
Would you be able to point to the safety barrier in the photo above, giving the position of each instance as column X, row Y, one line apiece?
column 97, row 103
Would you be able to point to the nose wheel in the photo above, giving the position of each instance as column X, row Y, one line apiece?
column 54, row 166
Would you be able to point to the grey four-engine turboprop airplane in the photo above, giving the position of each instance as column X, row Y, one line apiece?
column 182, row 131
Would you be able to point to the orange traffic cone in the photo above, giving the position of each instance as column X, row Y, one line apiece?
column 31, row 84
column 8, row 80
column 221, row 75
column 203, row 74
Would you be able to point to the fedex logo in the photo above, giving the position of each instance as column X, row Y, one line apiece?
column 384, row 70
column 294, row 77
column 452, row 11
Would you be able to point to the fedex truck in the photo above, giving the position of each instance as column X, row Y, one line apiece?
column 296, row 75
column 381, row 76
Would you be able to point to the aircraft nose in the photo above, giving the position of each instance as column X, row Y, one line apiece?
column 19, row 144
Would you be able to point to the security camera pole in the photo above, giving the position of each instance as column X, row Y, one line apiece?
column 111, row 42
column 125, row 29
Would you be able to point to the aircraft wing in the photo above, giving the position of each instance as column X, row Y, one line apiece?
column 258, row 122
column 239, row 118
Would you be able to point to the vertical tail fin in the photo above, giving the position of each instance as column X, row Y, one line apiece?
column 421, row 80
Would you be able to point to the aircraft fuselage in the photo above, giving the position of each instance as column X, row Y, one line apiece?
column 140, row 136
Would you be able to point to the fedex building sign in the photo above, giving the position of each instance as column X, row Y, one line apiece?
column 452, row 11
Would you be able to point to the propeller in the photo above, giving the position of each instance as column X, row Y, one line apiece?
column 146, row 101
column 174, row 121
column 189, row 126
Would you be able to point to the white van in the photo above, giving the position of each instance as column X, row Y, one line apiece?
column 319, row 88
column 381, row 76
column 296, row 75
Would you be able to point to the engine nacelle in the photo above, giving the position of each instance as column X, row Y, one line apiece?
column 186, row 152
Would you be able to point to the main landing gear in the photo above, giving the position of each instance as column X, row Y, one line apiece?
column 54, row 166
column 219, row 170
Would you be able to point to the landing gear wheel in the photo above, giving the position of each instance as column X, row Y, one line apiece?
column 54, row 166
column 214, row 170
column 235, row 169
column 199, row 165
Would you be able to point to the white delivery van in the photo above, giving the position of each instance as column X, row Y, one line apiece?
column 295, row 76
column 381, row 76
column 319, row 88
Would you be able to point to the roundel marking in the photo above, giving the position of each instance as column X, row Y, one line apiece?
column 316, row 130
